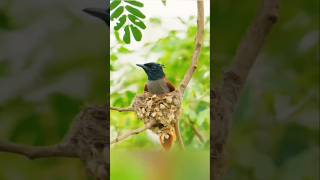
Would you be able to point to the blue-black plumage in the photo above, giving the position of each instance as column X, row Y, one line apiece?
column 157, row 81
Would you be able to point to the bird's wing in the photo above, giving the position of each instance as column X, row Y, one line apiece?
column 170, row 85
column 146, row 88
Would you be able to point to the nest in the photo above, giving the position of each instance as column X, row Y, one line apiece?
column 161, row 110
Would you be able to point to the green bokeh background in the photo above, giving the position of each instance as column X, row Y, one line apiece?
column 267, row 140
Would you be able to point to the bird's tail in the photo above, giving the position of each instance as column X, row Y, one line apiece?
column 167, row 138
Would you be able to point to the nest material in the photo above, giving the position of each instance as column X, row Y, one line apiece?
column 161, row 110
column 88, row 137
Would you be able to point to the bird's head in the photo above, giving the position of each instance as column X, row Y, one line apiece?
column 153, row 70
column 102, row 14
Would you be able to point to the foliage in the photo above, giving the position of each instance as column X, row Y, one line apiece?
column 129, row 18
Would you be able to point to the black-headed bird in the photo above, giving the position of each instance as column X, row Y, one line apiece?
column 157, row 81
column 159, row 84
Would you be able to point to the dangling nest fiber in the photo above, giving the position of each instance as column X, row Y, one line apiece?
column 162, row 110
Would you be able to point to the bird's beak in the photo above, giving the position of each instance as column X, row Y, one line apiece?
column 141, row 65
column 99, row 13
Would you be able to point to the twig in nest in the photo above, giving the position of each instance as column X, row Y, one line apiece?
column 130, row 133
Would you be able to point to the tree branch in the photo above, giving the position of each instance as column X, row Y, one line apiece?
column 130, row 133
column 199, row 43
column 33, row 152
column 195, row 59
column 196, row 131
column 226, row 97
column 87, row 139
column 254, row 39
column 122, row 109
column 178, row 134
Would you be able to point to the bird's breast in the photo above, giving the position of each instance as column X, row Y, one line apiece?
column 158, row 87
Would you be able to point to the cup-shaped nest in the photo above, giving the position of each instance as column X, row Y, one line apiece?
column 162, row 110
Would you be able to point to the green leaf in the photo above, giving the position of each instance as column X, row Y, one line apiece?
column 135, row 12
column 120, row 22
column 136, row 33
column 164, row 2
column 126, row 36
column 117, row 35
column 155, row 20
column 114, row 4
column 117, row 12
column 113, row 57
column 136, row 21
column 124, row 50
column 135, row 3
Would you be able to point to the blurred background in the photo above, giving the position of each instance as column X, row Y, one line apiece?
column 275, row 132
column 169, row 39
column 52, row 64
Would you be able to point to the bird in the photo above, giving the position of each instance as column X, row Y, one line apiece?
column 157, row 81
column 159, row 84
column 103, row 14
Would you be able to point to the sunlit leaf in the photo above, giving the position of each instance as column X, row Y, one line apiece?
column 120, row 22
column 137, row 21
column 124, row 50
column 114, row 4
column 136, row 33
column 117, row 12
column 135, row 3
column 126, row 36
column 117, row 35
column 155, row 20
column 135, row 12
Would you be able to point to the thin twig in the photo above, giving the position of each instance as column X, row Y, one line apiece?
column 122, row 109
column 178, row 134
column 33, row 152
column 196, row 131
column 195, row 59
column 130, row 133
column 198, row 47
